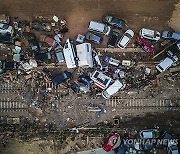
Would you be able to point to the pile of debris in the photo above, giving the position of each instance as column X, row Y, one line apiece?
column 28, row 48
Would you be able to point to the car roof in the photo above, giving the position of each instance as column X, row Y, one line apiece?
column 94, row 25
column 166, row 63
column 147, row 134
column 114, row 87
column 124, row 40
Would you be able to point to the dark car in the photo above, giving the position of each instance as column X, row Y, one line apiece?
column 119, row 23
column 75, row 86
column 63, row 77
column 145, row 45
column 86, row 80
column 165, row 136
column 9, row 65
column 6, row 38
column 113, row 39
column 92, row 37
column 83, row 83
column 43, row 57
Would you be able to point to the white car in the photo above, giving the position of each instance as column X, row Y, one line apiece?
column 150, row 34
column 112, row 89
column 4, row 28
column 125, row 39
column 149, row 134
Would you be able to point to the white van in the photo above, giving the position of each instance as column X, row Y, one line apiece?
column 99, row 28
column 150, row 34
column 112, row 89
column 69, row 54
column 166, row 63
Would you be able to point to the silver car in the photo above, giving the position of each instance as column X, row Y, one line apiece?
column 125, row 39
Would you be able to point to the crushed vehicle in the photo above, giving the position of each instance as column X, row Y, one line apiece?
column 112, row 61
column 125, row 39
column 113, row 39
column 83, row 83
column 167, row 136
column 62, row 77
column 166, row 63
column 6, row 38
column 112, row 89
column 43, row 57
column 170, row 35
column 145, row 45
column 173, row 53
column 93, row 37
column 112, row 142
column 150, row 34
column 48, row 40
column 99, row 28
column 41, row 26
column 9, row 66
column 149, row 134
column 27, row 66
column 119, row 23
column 100, row 79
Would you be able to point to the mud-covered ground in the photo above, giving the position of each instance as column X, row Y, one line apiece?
column 138, row 13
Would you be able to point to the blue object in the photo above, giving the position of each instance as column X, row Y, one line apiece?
column 36, row 106
column 107, row 58
column 100, row 112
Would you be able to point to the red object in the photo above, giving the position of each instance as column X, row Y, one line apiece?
column 51, row 42
column 112, row 142
column 146, row 46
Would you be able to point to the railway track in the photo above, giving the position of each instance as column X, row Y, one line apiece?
column 10, row 101
column 13, row 107
column 143, row 104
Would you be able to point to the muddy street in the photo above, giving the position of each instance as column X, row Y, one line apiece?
column 138, row 13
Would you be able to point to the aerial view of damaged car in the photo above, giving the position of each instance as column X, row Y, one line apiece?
column 145, row 45
column 125, row 39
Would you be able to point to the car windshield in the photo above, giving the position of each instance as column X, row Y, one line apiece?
column 128, row 35
column 116, row 20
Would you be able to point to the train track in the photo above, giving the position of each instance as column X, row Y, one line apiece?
column 8, row 105
column 10, row 101
column 143, row 104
